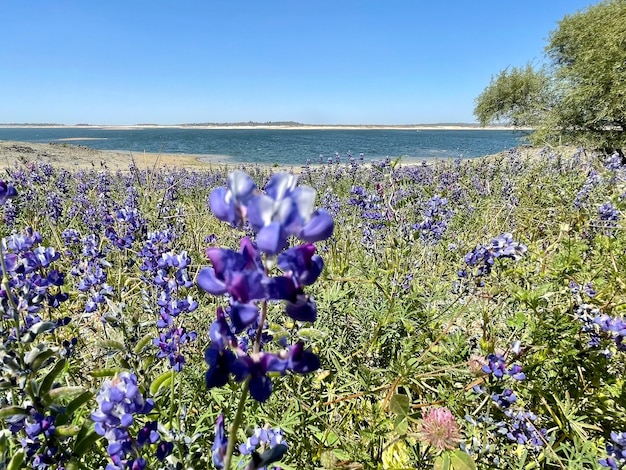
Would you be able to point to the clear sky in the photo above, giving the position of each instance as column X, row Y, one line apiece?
column 313, row 61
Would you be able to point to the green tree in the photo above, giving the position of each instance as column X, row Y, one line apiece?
column 581, row 98
column 516, row 96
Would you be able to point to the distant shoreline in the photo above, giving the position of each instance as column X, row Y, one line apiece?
column 410, row 127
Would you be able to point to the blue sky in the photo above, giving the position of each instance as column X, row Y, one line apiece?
column 319, row 62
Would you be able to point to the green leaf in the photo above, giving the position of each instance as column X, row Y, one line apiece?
column 400, row 425
column 161, row 381
column 110, row 344
column 461, row 461
column 65, row 392
column 67, row 431
column 12, row 411
column 517, row 321
column 42, row 327
column 84, row 445
column 143, row 342
column 99, row 373
column 72, row 406
column 17, row 460
column 48, row 381
column 41, row 358
column 399, row 404
column 78, row 402
column 442, row 462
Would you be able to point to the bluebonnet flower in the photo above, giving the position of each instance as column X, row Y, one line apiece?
column 119, row 401
column 435, row 218
column 271, row 439
column 497, row 366
column 593, row 180
column 229, row 204
column 616, row 450
column 608, row 217
column 601, row 328
column 32, row 281
column 7, row 191
column 615, row 327
column 166, row 270
column 54, row 208
column 220, row 443
column 42, row 445
column 371, row 213
column 482, row 258
column 587, row 289
column 521, row 428
column 286, row 209
column 504, row 399
column 613, row 162
column 518, row 424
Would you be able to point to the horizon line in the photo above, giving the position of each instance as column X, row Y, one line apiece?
column 282, row 124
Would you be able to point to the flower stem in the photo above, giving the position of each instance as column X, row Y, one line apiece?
column 232, row 433
column 259, row 331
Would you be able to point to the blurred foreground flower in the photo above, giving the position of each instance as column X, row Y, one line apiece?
column 239, row 333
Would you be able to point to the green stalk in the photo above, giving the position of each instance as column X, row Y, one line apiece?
column 234, row 427
column 232, row 433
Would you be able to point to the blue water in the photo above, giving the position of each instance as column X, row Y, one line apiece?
column 282, row 146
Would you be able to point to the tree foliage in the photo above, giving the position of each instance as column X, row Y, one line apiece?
column 581, row 98
column 515, row 96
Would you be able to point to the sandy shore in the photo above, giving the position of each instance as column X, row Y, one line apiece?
column 76, row 157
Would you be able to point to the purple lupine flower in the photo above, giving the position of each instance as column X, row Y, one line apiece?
column 286, row 209
column 483, row 257
column 220, row 443
column 616, row 450
column 301, row 264
column 238, row 273
column 613, row 162
column 7, row 192
column 271, row 439
column 265, row 436
column 229, row 204
column 593, row 180
column 435, row 220
column 522, row 429
column 296, row 359
column 255, row 368
column 496, row 366
column 504, row 399
column 119, row 400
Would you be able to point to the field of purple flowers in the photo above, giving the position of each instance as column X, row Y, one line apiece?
column 458, row 315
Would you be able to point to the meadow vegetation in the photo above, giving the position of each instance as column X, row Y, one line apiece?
column 469, row 314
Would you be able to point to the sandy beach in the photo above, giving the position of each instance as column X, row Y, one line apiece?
column 77, row 157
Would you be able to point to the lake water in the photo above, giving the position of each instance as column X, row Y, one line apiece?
column 282, row 146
